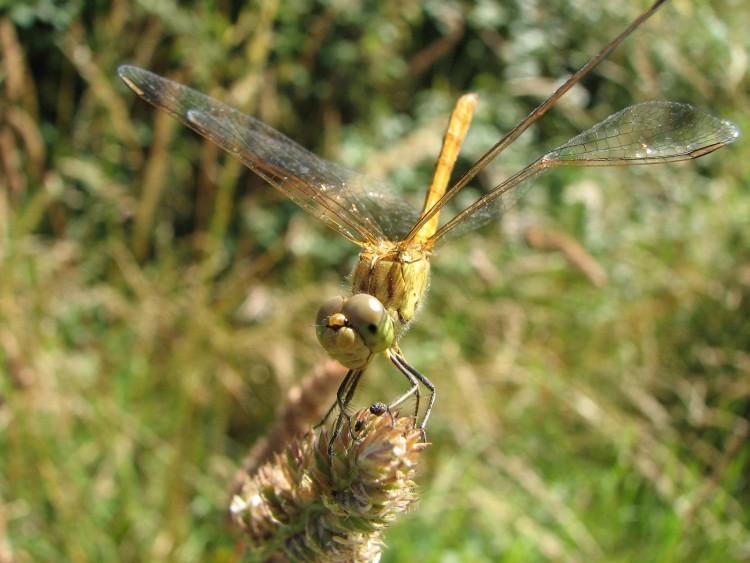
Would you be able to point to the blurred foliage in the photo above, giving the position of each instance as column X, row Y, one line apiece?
column 156, row 298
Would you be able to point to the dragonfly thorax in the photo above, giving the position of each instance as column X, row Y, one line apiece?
column 397, row 277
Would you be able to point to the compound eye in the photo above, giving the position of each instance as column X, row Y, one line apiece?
column 369, row 318
column 331, row 307
column 363, row 310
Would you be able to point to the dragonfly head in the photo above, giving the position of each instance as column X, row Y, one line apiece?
column 354, row 329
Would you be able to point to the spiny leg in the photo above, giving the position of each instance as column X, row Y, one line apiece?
column 344, row 384
column 398, row 361
column 344, row 396
column 344, row 405
column 413, row 376
column 430, row 387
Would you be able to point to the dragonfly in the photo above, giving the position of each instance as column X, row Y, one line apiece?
column 390, row 280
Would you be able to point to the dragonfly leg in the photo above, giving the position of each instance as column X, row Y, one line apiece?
column 344, row 396
column 335, row 402
column 402, row 366
column 431, row 397
column 414, row 377
column 344, row 384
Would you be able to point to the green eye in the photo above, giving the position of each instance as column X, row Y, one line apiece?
column 353, row 330
column 367, row 316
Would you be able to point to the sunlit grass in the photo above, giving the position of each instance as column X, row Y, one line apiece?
column 156, row 300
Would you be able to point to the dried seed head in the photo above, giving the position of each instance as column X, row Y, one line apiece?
column 306, row 505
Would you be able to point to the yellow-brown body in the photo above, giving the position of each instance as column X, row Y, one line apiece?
column 397, row 276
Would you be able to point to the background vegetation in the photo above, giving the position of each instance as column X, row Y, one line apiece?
column 156, row 299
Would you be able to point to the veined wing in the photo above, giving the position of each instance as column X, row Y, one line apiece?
column 362, row 209
column 646, row 133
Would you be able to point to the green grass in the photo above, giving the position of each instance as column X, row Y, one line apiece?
column 156, row 299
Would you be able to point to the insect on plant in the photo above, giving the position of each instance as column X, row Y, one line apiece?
column 396, row 241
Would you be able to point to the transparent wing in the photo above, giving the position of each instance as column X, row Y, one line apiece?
column 647, row 133
column 360, row 208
